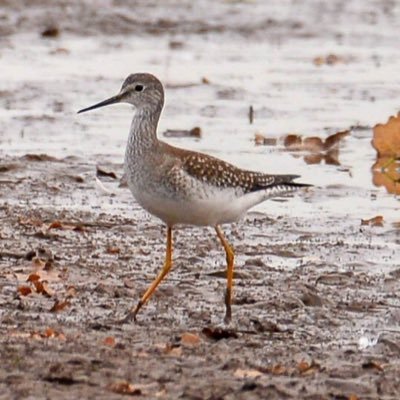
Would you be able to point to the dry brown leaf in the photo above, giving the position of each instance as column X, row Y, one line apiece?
column 109, row 341
column 24, row 290
column 190, row 339
column 313, row 144
column 303, row 366
column 386, row 139
column 112, row 250
column 49, row 333
column 59, row 306
column 56, row 224
column 353, row 397
column 332, row 157
column 333, row 140
column 124, row 387
column 386, row 172
column 33, row 278
column 312, row 159
column 306, row 368
column 375, row 221
column 246, row 373
column 278, row 369
column 293, row 142
column 47, row 291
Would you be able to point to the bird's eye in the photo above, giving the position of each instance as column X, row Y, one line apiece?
column 139, row 88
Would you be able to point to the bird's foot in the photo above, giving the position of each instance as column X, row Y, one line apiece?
column 131, row 315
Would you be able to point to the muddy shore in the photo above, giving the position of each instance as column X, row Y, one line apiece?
column 316, row 303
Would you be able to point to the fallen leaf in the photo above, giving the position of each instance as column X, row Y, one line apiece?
column 49, row 332
column 312, row 159
column 306, row 368
column 375, row 221
column 59, row 305
column 313, row 144
column 386, row 172
column 190, row 339
column 55, row 225
column 333, row 140
column 43, row 288
column 277, row 369
column 66, row 226
column 24, row 290
column 33, row 278
column 124, row 387
column 386, row 140
column 293, row 142
column 246, row 373
column 303, row 366
column 353, row 397
column 112, row 250
column 109, row 341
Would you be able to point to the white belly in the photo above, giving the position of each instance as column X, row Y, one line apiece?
column 222, row 207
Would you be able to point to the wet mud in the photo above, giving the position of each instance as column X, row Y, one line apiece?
column 316, row 308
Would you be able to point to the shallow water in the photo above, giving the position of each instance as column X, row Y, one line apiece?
column 251, row 54
column 288, row 92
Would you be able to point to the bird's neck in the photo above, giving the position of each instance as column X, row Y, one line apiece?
column 143, row 132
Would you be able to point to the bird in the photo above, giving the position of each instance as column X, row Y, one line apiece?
column 183, row 187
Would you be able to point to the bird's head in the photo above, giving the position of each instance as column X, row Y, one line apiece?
column 142, row 90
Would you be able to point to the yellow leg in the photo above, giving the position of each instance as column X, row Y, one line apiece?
column 230, row 256
column 166, row 268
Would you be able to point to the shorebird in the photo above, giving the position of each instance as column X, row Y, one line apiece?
column 185, row 187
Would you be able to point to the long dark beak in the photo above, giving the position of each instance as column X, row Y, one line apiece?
column 111, row 100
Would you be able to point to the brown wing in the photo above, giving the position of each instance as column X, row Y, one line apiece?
column 221, row 174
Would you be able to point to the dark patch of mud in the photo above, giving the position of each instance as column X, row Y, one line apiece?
column 298, row 319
